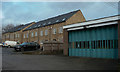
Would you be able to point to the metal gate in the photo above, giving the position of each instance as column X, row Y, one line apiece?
column 100, row 42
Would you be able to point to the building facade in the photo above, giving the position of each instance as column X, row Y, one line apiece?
column 51, row 29
column 16, row 33
column 95, row 38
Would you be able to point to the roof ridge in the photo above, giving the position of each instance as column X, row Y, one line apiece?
column 59, row 15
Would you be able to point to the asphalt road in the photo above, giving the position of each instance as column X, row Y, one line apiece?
column 16, row 61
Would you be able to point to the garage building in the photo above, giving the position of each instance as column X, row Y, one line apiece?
column 95, row 38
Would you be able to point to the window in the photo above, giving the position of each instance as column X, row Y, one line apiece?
column 109, row 44
column 46, row 40
column 24, row 35
column 77, row 45
column 44, row 24
column 27, row 35
column 32, row 34
column 39, row 25
column 84, row 44
column 103, row 43
column 35, row 33
column 54, row 31
column 46, row 32
column 57, row 20
column 63, row 19
column 18, row 35
column 49, row 23
column 7, row 36
column 87, row 44
column 41, row 33
column 54, row 40
column 115, row 44
column 60, row 30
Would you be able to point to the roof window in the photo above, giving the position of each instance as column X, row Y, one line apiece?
column 63, row 19
column 49, row 23
column 44, row 24
column 57, row 20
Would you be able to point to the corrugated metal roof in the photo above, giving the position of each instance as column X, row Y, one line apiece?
column 53, row 20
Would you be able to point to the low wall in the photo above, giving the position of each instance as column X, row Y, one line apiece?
column 51, row 46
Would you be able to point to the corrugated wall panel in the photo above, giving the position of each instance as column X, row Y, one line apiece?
column 106, row 35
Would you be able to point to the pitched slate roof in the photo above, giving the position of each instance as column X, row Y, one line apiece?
column 17, row 28
column 53, row 20
column 13, row 29
column 22, row 27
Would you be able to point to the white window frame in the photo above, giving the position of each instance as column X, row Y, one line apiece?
column 60, row 29
column 32, row 34
column 27, row 35
column 54, row 31
column 18, row 35
column 8, row 36
column 24, row 35
column 35, row 33
column 46, row 32
column 41, row 33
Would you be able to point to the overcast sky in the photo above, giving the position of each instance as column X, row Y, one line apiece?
column 25, row 12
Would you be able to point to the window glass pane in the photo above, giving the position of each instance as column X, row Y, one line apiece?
column 84, row 44
column 41, row 33
column 77, row 45
column 109, row 44
column 94, row 45
column 99, row 43
column 18, row 35
column 60, row 30
column 54, row 31
column 46, row 32
column 32, row 34
column 115, row 44
column 35, row 33
column 24, row 35
column 106, row 44
column 80, row 44
column 103, row 43
column 88, row 44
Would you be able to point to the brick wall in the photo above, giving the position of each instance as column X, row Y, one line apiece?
column 65, row 45
column 76, row 18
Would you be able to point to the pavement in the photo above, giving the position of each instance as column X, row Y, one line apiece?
column 17, row 61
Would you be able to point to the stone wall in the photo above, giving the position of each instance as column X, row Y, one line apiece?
column 52, row 46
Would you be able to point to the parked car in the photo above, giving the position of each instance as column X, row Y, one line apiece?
column 27, row 46
column 10, row 44
column 1, row 44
